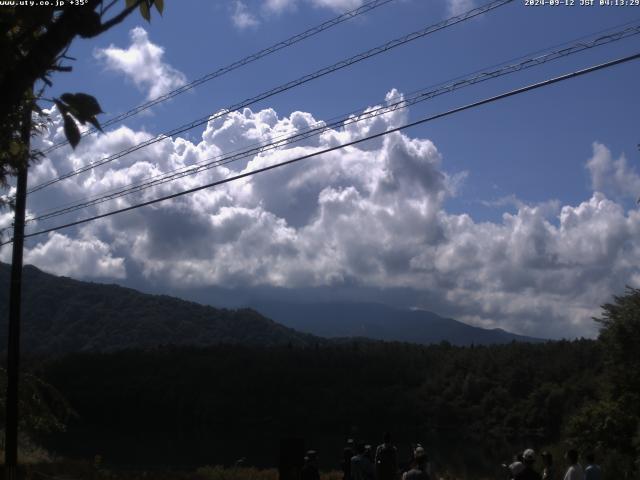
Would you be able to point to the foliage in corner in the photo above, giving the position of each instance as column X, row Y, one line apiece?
column 33, row 46
column 620, row 336
column 44, row 409
column 610, row 424
column 80, row 107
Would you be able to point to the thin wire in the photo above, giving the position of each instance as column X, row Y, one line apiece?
column 469, row 106
column 235, row 65
column 346, row 119
column 282, row 88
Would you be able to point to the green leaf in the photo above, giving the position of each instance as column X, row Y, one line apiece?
column 71, row 131
column 86, row 105
column 91, row 25
column 130, row 3
column 62, row 108
column 14, row 148
column 94, row 121
column 159, row 6
column 144, row 11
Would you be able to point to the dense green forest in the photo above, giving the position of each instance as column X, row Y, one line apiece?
column 471, row 407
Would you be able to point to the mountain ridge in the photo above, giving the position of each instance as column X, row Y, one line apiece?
column 63, row 315
column 108, row 317
column 381, row 322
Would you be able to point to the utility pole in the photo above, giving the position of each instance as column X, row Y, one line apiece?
column 13, row 351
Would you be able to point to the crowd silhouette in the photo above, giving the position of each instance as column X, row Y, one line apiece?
column 361, row 461
column 524, row 467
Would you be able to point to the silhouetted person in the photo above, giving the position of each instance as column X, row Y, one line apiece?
column 574, row 471
column 406, row 465
column 548, row 471
column 592, row 471
column 368, row 452
column 412, row 459
column 347, row 454
column 419, row 470
column 361, row 466
column 386, row 460
column 515, row 467
column 528, row 473
column 310, row 467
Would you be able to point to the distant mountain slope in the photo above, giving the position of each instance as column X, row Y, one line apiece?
column 380, row 322
column 62, row 315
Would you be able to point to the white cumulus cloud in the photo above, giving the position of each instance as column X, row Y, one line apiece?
column 247, row 14
column 613, row 176
column 372, row 215
column 142, row 62
column 83, row 258
column 279, row 5
column 456, row 7
column 242, row 17
column 336, row 5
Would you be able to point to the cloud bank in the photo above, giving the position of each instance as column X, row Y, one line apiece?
column 373, row 215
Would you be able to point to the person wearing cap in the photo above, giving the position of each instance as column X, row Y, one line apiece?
column 419, row 469
column 574, row 471
column 548, row 472
column 310, row 468
column 528, row 473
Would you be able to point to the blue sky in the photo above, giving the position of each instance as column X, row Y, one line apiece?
column 505, row 224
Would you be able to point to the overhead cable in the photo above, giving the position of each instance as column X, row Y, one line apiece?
column 469, row 106
column 235, row 65
column 282, row 88
column 341, row 121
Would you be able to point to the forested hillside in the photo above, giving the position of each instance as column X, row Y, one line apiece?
column 62, row 315
column 231, row 384
column 472, row 407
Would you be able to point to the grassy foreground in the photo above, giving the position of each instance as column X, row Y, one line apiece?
column 79, row 470
column 83, row 470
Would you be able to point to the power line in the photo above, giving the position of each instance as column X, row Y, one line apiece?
column 235, row 65
column 602, row 37
column 345, row 119
column 469, row 106
column 282, row 88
